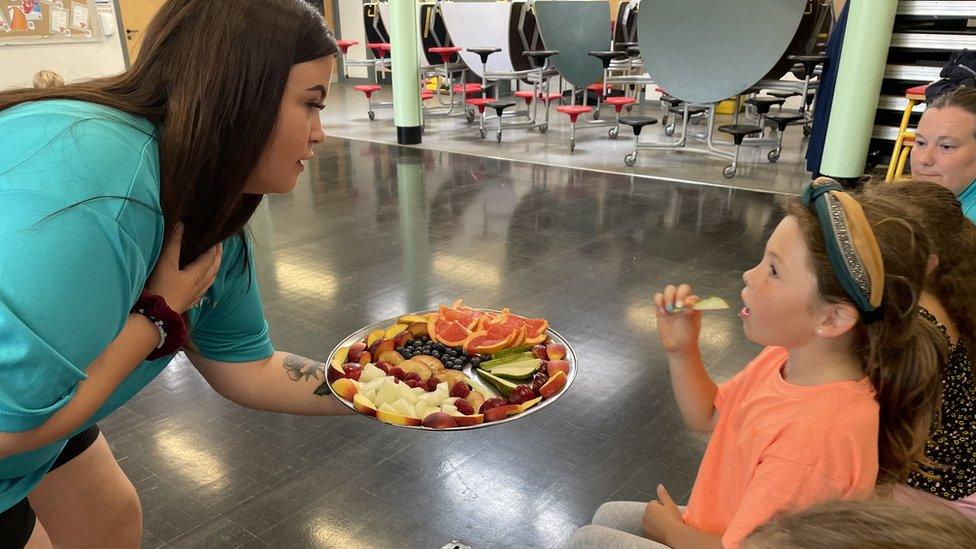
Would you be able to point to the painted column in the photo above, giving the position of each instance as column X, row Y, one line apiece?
column 404, row 37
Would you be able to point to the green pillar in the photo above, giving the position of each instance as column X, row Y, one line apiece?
column 405, row 38
column 858, row 87
column 414, row 227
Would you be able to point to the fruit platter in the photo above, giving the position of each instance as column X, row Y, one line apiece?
column 452, row 368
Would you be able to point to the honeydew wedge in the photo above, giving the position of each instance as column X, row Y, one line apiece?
column 404, row 408
column 711, row 304
column 370, row 374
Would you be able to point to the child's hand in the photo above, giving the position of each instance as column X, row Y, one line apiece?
column 661, row 517
column 677, row 323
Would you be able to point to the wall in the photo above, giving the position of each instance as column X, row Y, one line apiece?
column 351, row 28
column 73, row 61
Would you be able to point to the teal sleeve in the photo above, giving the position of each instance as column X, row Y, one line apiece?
column 229, row 324
column 67, row 282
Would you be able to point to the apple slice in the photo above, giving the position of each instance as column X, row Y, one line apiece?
column 355, row 350
column 528, row 404
column 553, row 386
column 335, row 372
column 365, row 358
column 468, row 421
column 434, row 364
column 418, row 329
column 363, row 405
column 410, row 319
column 345, row 387
column 710, row 304
column 373, row 337
column 440, row 420
column 556, row 351
column 416, row 367
column 557, row 366
column 392, row 331
column 501, row 412
column 339, row 358
column 392, row 358
column 475, row 399
column 387, row 414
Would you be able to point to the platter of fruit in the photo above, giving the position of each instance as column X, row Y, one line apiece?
column 452, row 368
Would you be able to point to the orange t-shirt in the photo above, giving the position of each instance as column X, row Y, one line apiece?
column 779, row 446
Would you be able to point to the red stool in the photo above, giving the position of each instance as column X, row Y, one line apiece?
column 573, row 111
column 344, row 45
column 380, row 49
column 369, row 89
column 480, row 103
column 467, row 89
column 446, row 52
column 527, row 95
column 618, row 102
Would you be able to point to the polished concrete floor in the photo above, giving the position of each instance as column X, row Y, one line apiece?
column 346, row 116
column 375, row 230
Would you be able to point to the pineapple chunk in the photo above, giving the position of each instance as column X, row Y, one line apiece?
column 371, row 373
column 404, row 408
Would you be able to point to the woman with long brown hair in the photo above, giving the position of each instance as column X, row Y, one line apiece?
column 121, row 241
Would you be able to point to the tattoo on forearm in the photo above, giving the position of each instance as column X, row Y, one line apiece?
column 299, row 367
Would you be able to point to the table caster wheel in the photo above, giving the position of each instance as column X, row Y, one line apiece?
column 630, row 159
column 614, row 131
column 469, row 116
column 372, row 115
column 669, row 130
column 482, row 132
column 544, row 128
column 773, row 155
column 806, row 131
column 498, row 137
column 572, row 145
column 729, row 171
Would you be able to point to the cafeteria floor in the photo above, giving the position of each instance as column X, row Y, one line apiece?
column 372, row 231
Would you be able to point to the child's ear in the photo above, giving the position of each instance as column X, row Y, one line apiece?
column 931, row 265
column 841, row 318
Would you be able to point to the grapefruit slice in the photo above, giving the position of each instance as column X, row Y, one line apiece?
column 450, row 333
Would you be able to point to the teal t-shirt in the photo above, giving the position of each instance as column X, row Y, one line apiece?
column 70, row 275
column 968, row 201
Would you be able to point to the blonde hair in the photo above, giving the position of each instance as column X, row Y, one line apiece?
column 47, row 79
column 870, row 524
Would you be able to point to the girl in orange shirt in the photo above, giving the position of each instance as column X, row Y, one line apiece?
column 842, row 395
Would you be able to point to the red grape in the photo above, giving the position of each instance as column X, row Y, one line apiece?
column 464, row 407
column 493, row 403
column 460, row 390
column 398, row 373
column 353, row 370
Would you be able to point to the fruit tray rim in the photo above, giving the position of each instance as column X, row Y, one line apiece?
column 468, row 370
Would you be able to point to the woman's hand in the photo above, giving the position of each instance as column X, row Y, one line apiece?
column 183, row 288
column 678, row 324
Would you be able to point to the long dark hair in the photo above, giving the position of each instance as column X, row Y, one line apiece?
column 901, row 354
column 210, row 76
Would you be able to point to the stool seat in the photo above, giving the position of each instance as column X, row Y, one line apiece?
column 638, row 122
column 484, row 53
column 917, row 90
column 467, row 89
column 739, row 130
column 380, row 49
column 784, row 94
column 619, row 100
column 622, row 46
column 763, row 104
column 762, row 100
column 426, row 94
column 674, row 101
column 599, row 88
column 367, row 88
column 344, row 45
column 548, row 97
column 444, row 49
column 691, row 110
column 540, row 56
column 808, row 58
column 606, row 57
column 789, row 116
column 501, row 104
column 524, row 94
column 479, row 102
column 574, row 109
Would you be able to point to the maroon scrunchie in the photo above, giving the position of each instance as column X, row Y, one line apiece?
column 171, row 326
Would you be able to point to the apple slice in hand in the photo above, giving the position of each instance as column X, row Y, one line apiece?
column 710, row 304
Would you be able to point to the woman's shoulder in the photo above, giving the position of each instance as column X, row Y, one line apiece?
column 52, row 113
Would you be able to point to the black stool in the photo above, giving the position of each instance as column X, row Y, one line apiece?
column 637, row 123
column 738, row 133
column 484, row 54
column 540, row 58
column 606, row 57
column 809, row 63
column 782, row 120
column 624, row 46
column 679, row 111
column 500, row 107
column 762, row 106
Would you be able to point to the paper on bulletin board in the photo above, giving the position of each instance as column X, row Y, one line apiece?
column 4, row 26
column 32, row 9
column 79, row 16
column 106, row 16
column 59, row 20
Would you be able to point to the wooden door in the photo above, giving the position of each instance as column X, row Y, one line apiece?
column 136, row 15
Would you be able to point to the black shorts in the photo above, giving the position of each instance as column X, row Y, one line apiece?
column 17, row 523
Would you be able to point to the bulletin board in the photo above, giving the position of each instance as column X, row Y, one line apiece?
column 48, row 21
